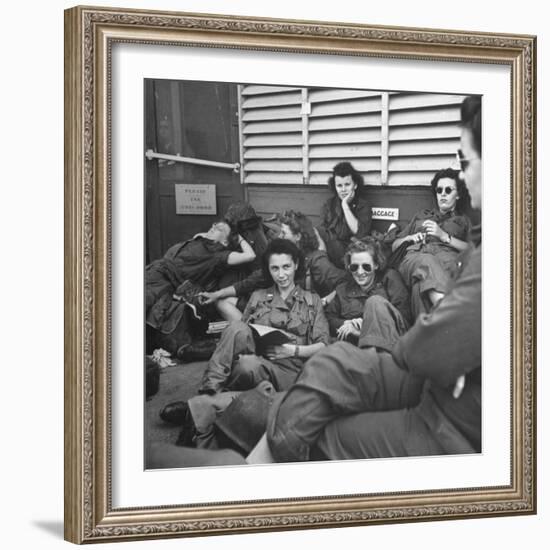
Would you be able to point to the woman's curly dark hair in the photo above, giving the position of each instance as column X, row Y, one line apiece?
column 301, row 225
column 242, row 220
column 463, row 203
column 366, row 244
column 343, row 169
column 282, row 246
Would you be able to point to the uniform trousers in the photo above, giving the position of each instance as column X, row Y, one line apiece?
column 424, row 272
column 350, row 403
column 235, row 366
column 382, row 325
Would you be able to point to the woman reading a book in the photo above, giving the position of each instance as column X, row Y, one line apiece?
column 240, row 361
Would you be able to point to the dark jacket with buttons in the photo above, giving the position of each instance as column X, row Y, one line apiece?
column 334, row 222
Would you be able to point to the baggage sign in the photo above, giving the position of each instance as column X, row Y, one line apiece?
column 380, row 213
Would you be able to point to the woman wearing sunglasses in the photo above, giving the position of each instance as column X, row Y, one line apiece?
column 433, row 240
column 366, row 308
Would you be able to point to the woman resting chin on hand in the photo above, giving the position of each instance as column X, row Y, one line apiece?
column 347, row 214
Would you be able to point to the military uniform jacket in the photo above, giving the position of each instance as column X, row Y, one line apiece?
column 349, row 303
column 334, row 221
column 350, row 298
column 456, row 225
column 301, row 314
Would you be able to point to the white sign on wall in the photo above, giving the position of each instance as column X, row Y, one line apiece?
column 380, row 213
column 196, row 199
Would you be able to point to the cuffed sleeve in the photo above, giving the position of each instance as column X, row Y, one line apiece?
column 320, row 330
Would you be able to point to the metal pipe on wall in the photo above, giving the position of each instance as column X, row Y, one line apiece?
column 150, row 155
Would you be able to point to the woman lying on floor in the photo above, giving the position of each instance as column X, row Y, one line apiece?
column 198, row 262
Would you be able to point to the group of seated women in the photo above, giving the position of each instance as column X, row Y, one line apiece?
column 316, row 284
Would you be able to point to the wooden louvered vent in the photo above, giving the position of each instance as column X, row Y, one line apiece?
column 295, row 135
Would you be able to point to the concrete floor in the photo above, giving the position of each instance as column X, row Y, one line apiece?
column 178, row 383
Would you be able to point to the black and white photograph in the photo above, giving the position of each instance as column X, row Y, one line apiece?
column 312, row 273
column 277, row 299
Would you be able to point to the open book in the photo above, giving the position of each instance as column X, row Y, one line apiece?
column 265, row 337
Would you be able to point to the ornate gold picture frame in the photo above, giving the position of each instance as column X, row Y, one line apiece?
column 90, row 36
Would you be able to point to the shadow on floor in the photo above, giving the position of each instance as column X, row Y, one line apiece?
column 178, row 383
column 51, row 527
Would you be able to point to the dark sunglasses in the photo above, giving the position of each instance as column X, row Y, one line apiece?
column 367, row 268
column 446, row 190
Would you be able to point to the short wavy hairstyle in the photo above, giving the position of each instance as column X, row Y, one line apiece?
column 366, row 244
column 470, row 116
column 463, row 203
column 283, row 246
column 301, row 225
column 343, row 169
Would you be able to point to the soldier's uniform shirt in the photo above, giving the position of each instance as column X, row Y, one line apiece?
column 234, row 364
column 305, row 320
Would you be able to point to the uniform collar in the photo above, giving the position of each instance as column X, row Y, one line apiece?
column 438, row 215
column 353, row 290
column 313, row 254
column 297, row 295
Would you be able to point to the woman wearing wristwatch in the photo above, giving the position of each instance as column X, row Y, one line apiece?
column 437, row 237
